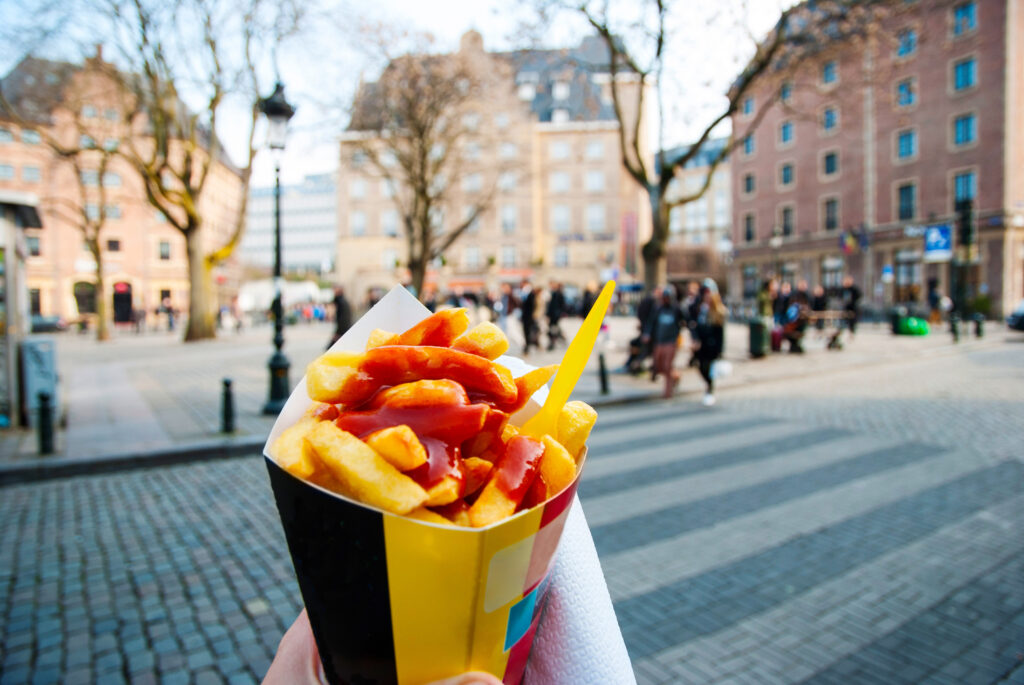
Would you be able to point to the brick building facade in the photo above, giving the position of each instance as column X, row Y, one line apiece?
column 866, row 147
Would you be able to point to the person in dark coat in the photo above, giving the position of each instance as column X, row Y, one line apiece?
column 528, row 311
column 662, row 332
column 709, row 334
column 819, row 303
column 589, row 298
column 555, row 311
column 342, row 315
column 851, row 303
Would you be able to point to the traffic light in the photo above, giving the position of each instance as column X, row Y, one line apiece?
column 965, row 222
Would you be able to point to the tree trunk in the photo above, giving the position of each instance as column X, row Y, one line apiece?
column 201, row 319
column 417, row 275
column 653, row 251
column 102, row 320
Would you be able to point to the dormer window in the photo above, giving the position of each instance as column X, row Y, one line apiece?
column 560, row 91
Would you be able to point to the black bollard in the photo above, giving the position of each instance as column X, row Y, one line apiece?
column 45, row 424
column 954, row 326
column 979, row 325
column 602, row 372
column 227, row 406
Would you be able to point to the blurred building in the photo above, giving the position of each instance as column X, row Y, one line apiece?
column 700, row 232
column 872, row 143
column 309, row 226
column 144, row 258
column 544, row 135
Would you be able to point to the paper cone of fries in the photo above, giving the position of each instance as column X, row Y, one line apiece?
column 392, row 599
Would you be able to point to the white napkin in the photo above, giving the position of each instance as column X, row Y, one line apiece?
column 578, row 640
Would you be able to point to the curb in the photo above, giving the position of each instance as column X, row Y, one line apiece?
column 64, row 467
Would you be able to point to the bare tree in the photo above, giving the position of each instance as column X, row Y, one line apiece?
column 83, row 144
column 414, row 125
column 177, row 151
column 637, row 61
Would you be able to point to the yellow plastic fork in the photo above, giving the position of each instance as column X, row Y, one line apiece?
column 545, row 421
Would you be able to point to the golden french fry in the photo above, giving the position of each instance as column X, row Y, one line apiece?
column 378, row 337
column 509, row 432
column 322, row 412
column 574, row 424
column 446, row 491
column 424, row 514
column 363, row 472
column 476, row 471
column 557, row 466
column 292, row 452
column 484, row 339
column 399, row 446
column 329, row 372
column 425, row 393
column 491, row 506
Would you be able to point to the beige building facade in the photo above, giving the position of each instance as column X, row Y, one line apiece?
column 144, row 258
column 543, row 153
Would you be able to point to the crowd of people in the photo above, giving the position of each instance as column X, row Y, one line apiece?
column 693, row 315
column 789, row 312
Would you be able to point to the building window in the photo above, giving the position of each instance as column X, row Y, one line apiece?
column 964, row 129
column 92, row 211
column 786, row 91
column 112, row 211
column 471, row 257
column 88, row 111
column 906, row 144
column 113, row 245
column 507, row 181
column 30, row 137
column 471, row 121
column 596, row 218
column 86, row 142
column 472, row 183
column 748, row 144
column 6, row 136
column 906, row 93
column 965, row 18
column 595, row 149
column 964, row 186
column 831, row 214
column 527, row 91
column 748, row 228
column 110, row 114
column 748, row 106
column 501, row 121
column 829, row 72
column 829, row 118
column 831, row 163
column 31, row 174
column 558, row 149
column 358, row 159
column 32, row 243
column 165, row 251
column 787, row 221
column 560, row 91
column 6, row 172
column 675, row 220
column 508, row 256
column 507, row 150
column 786, row 132
column 907, row 201
column 110, row 144
column 509, row 219
column 111, row 180
column 561, row 255
column 357, row 223
column 387, row 188
column 594, row 181
column 786, row 174
column 558, row 182
column 560, row 219
column 907, row 42
column 388, row 259
column 473, row 150
column 467, row 214
column 357, row 189
column 389, row 223
column 89, row 177
column 388, row 158
column 34, row 301
column 748, row 183
column 560, row 116
column 965, row 73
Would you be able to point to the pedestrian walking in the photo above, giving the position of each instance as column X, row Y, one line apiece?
column 664, row 327
column 851, row 303
column 528, row 310
column 589, row 298
column 342, row 315
column 710, row 337
column 819, row 303
column 555, row 311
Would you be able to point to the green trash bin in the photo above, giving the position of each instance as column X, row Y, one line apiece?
column 758, row 338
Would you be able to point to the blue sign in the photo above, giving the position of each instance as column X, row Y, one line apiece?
column 938, row 243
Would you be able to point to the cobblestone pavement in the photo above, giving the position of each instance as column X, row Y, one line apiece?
column 861, row 527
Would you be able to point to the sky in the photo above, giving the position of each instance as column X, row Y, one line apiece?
column 710, row 42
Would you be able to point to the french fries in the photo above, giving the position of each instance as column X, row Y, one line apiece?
column 417, row 424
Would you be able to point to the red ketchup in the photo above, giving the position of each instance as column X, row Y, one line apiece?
column 518, row 467
column 442, row 460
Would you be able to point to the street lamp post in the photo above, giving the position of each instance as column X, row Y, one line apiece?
column 776, row 244
column 278, row 112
